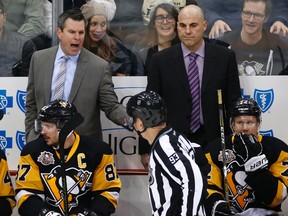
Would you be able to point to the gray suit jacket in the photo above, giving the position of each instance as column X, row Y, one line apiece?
column 92, row 90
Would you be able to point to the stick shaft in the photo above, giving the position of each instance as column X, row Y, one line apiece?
column 223, row 146
column 64, row 132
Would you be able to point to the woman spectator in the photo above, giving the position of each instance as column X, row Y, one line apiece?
column 101, row 41
column 162, row 29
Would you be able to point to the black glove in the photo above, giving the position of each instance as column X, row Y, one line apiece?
column 250, row 150
column 246, row 146
column 87, row 212
column 256, row 164
column 47, row 212
column 220, row 209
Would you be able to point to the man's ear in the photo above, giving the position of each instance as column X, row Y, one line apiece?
column 205, row 24
column 140, row 124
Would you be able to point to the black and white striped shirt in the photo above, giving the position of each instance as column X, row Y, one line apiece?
column 176, row 185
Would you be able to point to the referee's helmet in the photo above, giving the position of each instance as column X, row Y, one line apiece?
column 149, row 107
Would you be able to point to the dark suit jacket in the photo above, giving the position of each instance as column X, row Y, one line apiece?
column 167, row 76
column 92, row 90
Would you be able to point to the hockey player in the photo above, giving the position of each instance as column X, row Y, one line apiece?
column 7, row 201
column 257, row 168
column 93, row 185
column 176, row 185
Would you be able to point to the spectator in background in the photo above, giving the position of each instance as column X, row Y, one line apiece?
column 148, row 6
column 279, row 15
column 25, row 17
column 48, row 18
column 154, row 31
column 73, row 4
column 258, row 52
column 223, row 16
column 128, row 20
column 162, row 30
column 101, row 41
column 12, row 44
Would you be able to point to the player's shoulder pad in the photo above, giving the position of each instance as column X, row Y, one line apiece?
column 95, row 145
column 213, row 145
column 273, row 144
column 2, row 155
column 37, row 145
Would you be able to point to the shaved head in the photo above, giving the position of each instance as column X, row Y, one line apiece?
column 192, row 9
column 191, row 26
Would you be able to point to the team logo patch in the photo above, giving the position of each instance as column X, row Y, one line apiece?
column 46, row 158
column 77, row 185
column 229, row 156
column 63, row 103
column 264, row 98
column 267, row 133
column 21, row 98
column 20, row 139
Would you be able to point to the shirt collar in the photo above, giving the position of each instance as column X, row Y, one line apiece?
column 60, row 54
column 199, row 51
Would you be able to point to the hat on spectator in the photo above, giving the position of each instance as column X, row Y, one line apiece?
column 148, row 8
column 99, row 7
column 2, row 8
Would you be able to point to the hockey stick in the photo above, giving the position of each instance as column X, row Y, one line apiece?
column 223, row 147
column 1, row 114
column 64, row 132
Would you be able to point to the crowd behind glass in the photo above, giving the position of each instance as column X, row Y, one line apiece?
column 128, row 38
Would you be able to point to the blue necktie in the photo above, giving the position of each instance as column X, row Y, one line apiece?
column 60, row 81
column 194, row 82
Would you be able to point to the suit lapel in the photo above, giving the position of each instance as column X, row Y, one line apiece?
column 208, row 66
column 48, row 73
column 81, row 69
column 179, row 68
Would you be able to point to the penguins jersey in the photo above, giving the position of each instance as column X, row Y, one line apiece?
column 6, row 190
column 92, row 180
column 266, row 189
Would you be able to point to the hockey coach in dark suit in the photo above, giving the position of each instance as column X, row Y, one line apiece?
column 169, row 76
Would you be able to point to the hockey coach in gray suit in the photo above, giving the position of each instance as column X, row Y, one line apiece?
column 87, row 80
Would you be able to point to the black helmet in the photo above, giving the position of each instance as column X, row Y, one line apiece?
column 58, row 111
column 246, row 107
column 149, row 107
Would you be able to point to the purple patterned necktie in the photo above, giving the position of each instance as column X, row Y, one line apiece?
column 194, row 82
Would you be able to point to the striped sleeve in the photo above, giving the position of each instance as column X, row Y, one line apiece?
column 180, row 176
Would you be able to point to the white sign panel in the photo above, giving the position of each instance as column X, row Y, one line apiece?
column 269, row 92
